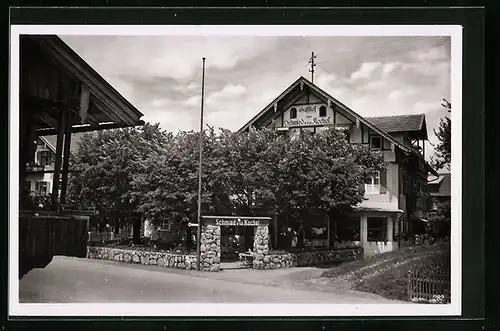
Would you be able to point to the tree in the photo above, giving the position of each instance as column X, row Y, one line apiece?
column 442, row 158
column 107, row 162
column 259, row 173
column 323, row 173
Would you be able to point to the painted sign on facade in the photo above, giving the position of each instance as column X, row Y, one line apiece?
column 307, row 115
column 235, row 221
column 307, row 121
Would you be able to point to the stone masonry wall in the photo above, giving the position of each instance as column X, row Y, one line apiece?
column 311, row 258
column 260, row 246
column 210, row 248
column 169, row 260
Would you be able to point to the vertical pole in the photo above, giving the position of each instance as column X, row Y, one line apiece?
column 66, row 155
column 198, row 241
column 423, row 149
column 57, row 168
column 311, row 61
column 276, row 231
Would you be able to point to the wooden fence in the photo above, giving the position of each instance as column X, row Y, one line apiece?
column 430, row 284
column 42, row 237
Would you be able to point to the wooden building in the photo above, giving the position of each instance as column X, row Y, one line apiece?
column 60, row 94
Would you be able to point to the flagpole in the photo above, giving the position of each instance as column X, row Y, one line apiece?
column 198, row 240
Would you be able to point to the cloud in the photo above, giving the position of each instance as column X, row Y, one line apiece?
column 390, row 67
column 402, row 93
column 192, row 101
column 432, row 54
column 229, row 91
column 365, row 71
column 324, row 80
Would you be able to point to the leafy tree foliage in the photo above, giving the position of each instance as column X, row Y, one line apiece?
column 155, row 173
column 442, row 158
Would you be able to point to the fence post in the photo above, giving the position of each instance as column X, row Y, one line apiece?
column 410, row 284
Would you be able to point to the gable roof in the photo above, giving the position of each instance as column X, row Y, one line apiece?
column 51, row 141
column 401, row 123
column 321, row 92
column 443, row 184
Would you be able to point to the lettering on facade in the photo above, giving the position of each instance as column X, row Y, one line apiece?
column 307, row 109
column 237, row 222
column 307, row 121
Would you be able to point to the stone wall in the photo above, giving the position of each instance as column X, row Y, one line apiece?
column 169, row 260
column 210, row 248
column 260, row 246
column 310, row 258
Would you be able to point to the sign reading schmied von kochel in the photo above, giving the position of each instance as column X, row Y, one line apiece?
column 233, row 221
column 238, row 222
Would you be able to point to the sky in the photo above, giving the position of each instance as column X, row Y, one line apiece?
column 374, row 76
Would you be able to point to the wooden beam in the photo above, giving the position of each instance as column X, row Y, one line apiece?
column 66, row 156
column 57, row 168
column 49, row 119
column 87, row 128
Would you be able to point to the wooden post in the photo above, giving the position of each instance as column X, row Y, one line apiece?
column 66, row 156
column 57, row 168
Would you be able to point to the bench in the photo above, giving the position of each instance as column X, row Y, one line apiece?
column 246, row 259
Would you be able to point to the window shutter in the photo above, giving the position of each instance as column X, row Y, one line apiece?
column 383, row 181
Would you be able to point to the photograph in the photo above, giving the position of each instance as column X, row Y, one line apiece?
column 235, row 170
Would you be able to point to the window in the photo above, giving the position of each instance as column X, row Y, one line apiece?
column 375, row 142
column 372, row 185
column 377, row 229
column 27, row 185
column 44, row 158
column 293, row 113
column 322, row 111
column 348, row 229
column 41, row 187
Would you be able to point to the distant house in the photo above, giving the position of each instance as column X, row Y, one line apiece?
column 439, row 190
column 395, row 199
column 40, row 174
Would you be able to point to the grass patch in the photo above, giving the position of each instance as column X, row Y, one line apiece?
column 386, row 274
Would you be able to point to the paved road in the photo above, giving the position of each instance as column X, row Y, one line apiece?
column 67, row 280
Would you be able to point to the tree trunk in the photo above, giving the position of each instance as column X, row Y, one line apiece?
column 137, row 230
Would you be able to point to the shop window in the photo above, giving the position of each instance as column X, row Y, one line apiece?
column 322, row 111
column 293, row 113
column 375, row 142
column 41, row 187
column 372, row 185
column 377, row 229
column 348, row 229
